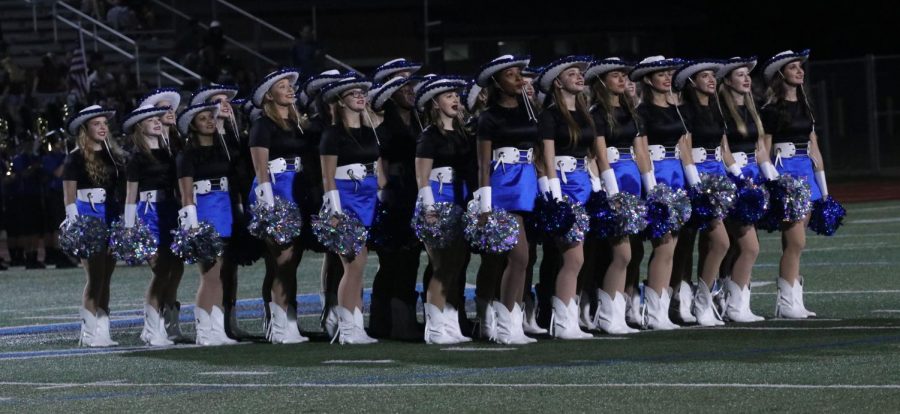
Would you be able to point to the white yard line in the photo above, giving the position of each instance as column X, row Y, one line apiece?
column 237, row 373
column 465, row 385
column 358, row 361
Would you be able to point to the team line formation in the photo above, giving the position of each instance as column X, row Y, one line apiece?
column 587, row 159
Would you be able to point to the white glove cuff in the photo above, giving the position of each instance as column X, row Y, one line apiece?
column 130, row 215
column 484, row 199
column 649, row 180
column 71, row 210
column 823, row 185
column 555, row 188
column 691, row 174
column 333, row 201
column 264, row 194
column 426, row 197
column 609, row 181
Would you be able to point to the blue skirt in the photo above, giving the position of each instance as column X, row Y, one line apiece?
column 578, row 187
column 161, row 218
column 628, row 175
column 455, row 193
column 215, row 208
column 514, row 187
column 669, row 172
column 108, row 212
column 283, row 187
column 801, row 168
column 359, row 197
column 751, row 170
column 711, row 167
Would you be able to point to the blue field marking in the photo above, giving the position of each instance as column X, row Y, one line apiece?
column 307, row 304
column 68, row 352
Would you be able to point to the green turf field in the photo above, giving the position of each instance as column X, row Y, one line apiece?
column 846, row 360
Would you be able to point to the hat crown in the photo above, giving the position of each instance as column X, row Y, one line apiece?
column 504, row 57
column 90, row 108
column 330, row 72
column 144, row 108
column 652, row 59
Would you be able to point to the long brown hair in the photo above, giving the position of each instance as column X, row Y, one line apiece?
column 140, row 143
column 433, row 118
column 603, row 98
column 271, row 111
column 775, row 93
column 581, row 106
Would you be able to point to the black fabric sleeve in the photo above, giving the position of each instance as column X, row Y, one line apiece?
column 73, row 166
column 425, row 145
column 261, row 132
column 185, row 163
column 330, row 144
column 769, row 118
column 547, row 125
column 133, row 167
column 487, row 127
column 600, row 123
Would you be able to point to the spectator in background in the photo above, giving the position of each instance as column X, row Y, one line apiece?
column 215, row 39
column 49, row 78
column 306, row 51
column 121, row 17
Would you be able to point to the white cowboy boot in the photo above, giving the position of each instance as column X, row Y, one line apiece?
column 103, row 331
column 505, row 333
column 89, row 329
column 564, row 322
column 619, row 319
column 282, row 329
column 218, row 325
column 585, row 319
column 451, row 323
column 607, row 318
column 172, row 321
column 633, row 313
column 682, row 302
column 658, row 310
column 518, row 318
column 703, row 306
column 786, row 305
column 529, row 324
column 737, row 304
column 436, row 327
column 348, row 331
column 205, row 335
column 798, row 292
column 154, row 332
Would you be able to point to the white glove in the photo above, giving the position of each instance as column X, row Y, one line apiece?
column 426, row 197
column 332, row 202
column 264, row 194
column 187, row 217
column 820, row 180
column 555, row 189
column 71, row 212
column 483, row 195
column 380, row 195
column 691, row 174
column 649, row 180
column 735, row 170
column 596, row 184
column 768, row 170
column 609, row 181
column 543, row 186
column 130, row 215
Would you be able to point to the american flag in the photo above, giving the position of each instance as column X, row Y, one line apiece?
column 78, row 75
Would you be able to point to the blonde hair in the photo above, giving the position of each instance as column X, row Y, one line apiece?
column 97, row 170
column 728, row 97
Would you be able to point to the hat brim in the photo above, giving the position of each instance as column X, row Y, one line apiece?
column 600, row 69
column 331, row 92
column 203, row 96
column 685, row 72
column 727, row 68
column 267, row 84
column 545, row 79
column 640, row 71
column 382, row 74
column 379, row 97
column 315, row 85
column 430, row 92
column 187, row 116
column 81, row 118
column 472, row 96
column 136, row 117
column 774, row 65
column 485, row 74
column 174, row 99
